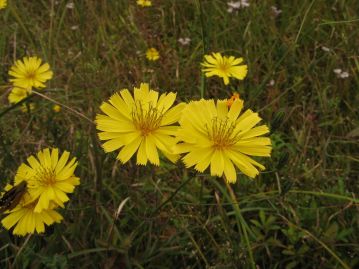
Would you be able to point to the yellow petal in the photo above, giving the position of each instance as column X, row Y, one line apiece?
column 127, row 151
column 141, row 153
column 151, row 151
column 235, row 110
column 62, row 162
column 217, row 163
column 222, row 108
column 229, row 171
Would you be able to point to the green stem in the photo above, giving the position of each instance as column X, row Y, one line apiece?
column 172, row 195
column 22, row 25
column 325, row 194
column 204, row 46
column 242, row 222
column 331, row 252
column 5, row 111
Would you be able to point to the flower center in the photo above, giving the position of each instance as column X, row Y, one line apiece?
column 221, row 133
column 224, row 66
column 45, row 176
column 146, row 118
column 31, row 75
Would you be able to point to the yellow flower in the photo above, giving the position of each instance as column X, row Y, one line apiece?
column 224, row 67
column 216, row 136
column 152, row 54
column 233, row 98
column 30, row 73
column 144, row 3
column 143, row 124
column 18, row 94
column 2, row 4
column 26, row 220
column 49, row 178
column 56, row 108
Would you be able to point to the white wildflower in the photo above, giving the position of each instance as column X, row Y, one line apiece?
column 234, row 6
column 184, row 41
column 276, row 11
column 70, row 5
column 340, row 73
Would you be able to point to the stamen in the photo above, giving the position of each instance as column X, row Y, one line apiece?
column 146, row 120
column 222, row 133
column 45, row 176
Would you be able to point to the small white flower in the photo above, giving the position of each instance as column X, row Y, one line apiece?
column 275, row 10
column 271, row 82
column 184, row 41
column 337, row 71
column 325, row 49
column 74, row 27
column 70, row 5
column 234, row 6
column 245, row 3
column 344, row 74
column 340, row 73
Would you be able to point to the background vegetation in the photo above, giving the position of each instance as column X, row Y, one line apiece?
column 302, row 212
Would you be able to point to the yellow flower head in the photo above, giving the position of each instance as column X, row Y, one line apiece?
column 18, row 94
column 3, row 4
column 30, row 73
column 56, row 108
column 144, row 3
column 152, row 54
column 143, row 123
column 49, row 178
column 224, row 67
column 217, row 136
column 233, row 98
column 26, row 220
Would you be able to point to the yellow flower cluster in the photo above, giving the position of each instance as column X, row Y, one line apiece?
column 211, row 133
column 40, row 186
column 215, row 134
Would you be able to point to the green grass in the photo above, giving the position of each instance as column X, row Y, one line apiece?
column 302, row 212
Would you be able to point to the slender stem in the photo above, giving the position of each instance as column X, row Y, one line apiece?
column 172, row 195
column 303, row 21
column 65, row 106
column 242, row 222
column 325, row 194
column 22, row 248
column 331, row 252
column 22, row 25
column 204, row 45
column 2, row 113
